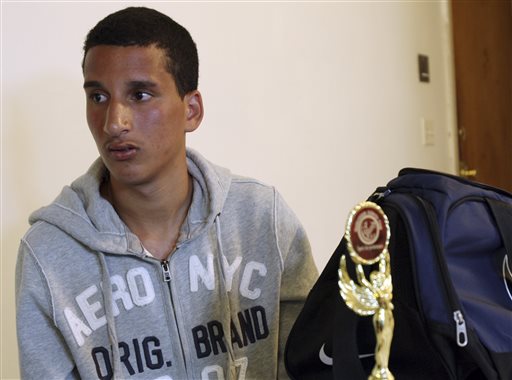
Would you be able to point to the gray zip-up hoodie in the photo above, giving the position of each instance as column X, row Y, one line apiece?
column 91, row 302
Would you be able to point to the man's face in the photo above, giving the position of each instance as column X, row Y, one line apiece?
column 135, row 114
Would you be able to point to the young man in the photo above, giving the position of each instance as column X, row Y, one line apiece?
column 156, row 264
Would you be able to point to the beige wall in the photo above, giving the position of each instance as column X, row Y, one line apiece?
column 320, row 99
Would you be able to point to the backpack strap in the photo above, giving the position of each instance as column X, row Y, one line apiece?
column 438, row 300
column 502, row 213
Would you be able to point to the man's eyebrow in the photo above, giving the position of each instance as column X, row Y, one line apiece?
column 92, row 83
column 132, row 84
column 141, row 84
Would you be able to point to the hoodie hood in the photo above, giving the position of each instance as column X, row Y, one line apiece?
column 81, row 212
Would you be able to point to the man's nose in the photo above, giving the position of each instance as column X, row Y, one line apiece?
column 118, row 120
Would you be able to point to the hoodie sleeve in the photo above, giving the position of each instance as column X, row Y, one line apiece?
column 299, row 272
column 43, row 353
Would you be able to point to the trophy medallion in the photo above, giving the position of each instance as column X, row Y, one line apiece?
column 367, row 233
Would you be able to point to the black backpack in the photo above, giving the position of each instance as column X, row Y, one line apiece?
column 451, row 260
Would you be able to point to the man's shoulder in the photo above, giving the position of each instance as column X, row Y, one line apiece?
column 248, row 187
column 250, row 198
column 252, row 183
column 45, row 236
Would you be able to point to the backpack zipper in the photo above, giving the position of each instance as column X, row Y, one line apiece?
column 461, row 334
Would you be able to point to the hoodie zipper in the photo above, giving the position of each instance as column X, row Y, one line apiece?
column 166, row 273
column 167, row 279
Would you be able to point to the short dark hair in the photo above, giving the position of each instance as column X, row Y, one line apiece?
column 140, row 26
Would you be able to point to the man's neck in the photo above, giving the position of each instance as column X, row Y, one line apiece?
column 154, row 212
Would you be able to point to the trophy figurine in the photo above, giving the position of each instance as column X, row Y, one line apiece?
column 367, row 235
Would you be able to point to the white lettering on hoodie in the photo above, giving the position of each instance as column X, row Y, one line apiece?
column 137, row 290
column 206, row 274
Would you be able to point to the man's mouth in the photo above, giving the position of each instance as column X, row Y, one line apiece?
column 122, row 152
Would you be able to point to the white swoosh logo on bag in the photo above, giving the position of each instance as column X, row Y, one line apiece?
column 323, row 356
column 507, row 273
column 327, row 360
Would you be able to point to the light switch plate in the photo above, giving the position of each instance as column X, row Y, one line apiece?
column 428, row 135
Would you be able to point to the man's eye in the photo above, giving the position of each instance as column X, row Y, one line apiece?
column 141, row 96
column 98, row 98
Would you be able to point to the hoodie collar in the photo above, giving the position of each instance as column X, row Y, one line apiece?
column 81, row 212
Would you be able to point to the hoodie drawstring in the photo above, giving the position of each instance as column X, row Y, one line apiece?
column 109, row 315
column 226, row 300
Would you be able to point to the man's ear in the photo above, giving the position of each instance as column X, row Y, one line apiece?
column 195, row 111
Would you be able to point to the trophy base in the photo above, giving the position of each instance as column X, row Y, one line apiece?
column 381, row 374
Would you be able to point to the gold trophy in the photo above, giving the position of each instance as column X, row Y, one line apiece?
column 367, row 236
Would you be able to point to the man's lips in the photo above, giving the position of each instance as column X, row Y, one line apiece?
column 122, row 151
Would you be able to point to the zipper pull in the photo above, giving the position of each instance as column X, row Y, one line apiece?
column 460, row 328
column 166, row 271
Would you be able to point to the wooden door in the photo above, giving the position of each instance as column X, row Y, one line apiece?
column 482, row 36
